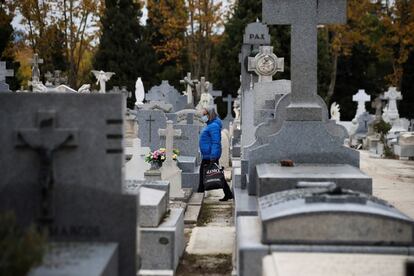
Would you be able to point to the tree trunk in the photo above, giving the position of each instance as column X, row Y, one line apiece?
column 334, row 70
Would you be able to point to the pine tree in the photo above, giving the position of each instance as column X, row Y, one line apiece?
column 122, row 49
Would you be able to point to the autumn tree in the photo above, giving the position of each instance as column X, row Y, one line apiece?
column 122, row 49
column 71, row 23
column 165, row 29
column 205, row 20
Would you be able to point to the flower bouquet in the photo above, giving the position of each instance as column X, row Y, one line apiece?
column 157, row 157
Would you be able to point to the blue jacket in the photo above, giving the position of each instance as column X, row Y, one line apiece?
column 210, row 140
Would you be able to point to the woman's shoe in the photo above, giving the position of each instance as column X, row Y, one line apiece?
column 225, row 198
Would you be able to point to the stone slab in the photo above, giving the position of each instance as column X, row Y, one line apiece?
column 192, row 214
column 196, row 199
column 315, row 145
column 187, row 163
column 236, row 177
column 149, row 121
column 326, row 216
column 162, row 247
column 236, row 162
column 245, row 205
column 133, row 186
column 321, row 264
column 190, row 180
column 274, row 178
column 250, row 251
column 404, row 150
column 160, row 272
column 83, row 259
column 153, row 206
column 211, row 240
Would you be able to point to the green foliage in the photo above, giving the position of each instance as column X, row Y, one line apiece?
column 54, row 53
column 20, row 250
column 122, row 48
column 383, row 128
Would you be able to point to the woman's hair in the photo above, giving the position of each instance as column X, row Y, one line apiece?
column 211, row 110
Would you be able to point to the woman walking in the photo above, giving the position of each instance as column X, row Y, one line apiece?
column 210, row 147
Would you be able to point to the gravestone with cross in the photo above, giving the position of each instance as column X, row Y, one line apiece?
column 361, row 98
column 190, row 84
column 69, row 174
column 169, row 170
column 265, row 64
column 305, row 136
column 168, row 94
column 149, row 121
column 35, row 61
column 229, row 117
column 304, row 18
column 4, row 73
column 392, row 95
column 255, row 35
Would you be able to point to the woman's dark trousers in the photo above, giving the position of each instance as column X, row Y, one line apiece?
column 226, row 188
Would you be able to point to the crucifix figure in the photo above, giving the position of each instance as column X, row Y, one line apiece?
column 361, row 97
column 304, row 16
column 169, row 132
column 189, row 85
column 46, row 139
column 150, row 120
column 4, row 72
column 266, row 64
column 35, row 61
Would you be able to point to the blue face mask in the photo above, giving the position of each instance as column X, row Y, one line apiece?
column 204, row 118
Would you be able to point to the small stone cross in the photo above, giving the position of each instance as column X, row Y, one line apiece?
column 377, row 104
column 189, row 85
column 4, row 72
column 150, row 120
column 169, row 132
column 392, row 95
column 46, row 139
column 229, row 101
column 266, row 64
column 304, row 16
column 361, row 97
column 35, row 61
column 214, row 93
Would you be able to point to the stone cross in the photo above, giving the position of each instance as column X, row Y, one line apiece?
column 304, row 16
column 4, row 72
column 265, row 64
column 229, row 101
column 169, row 134
column 150, row 120
column 392, row 95
column 189, row 85
column 202, row 85
column 361, row 97
column 35, row 61
column 46, row 139
column 214, row 93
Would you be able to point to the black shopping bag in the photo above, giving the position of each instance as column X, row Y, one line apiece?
column 213, row 177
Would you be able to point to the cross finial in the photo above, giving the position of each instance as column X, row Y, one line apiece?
column 4, row 72
column 229, row 101
column 361, row 97
column 304, row 16
column 266, row 64
column 169, row 132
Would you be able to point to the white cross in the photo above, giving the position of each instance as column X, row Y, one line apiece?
column 35, row 61
column 169, row 132
column 392, row 95
column 265, row 64
column 229, row 101
column 361, row 97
